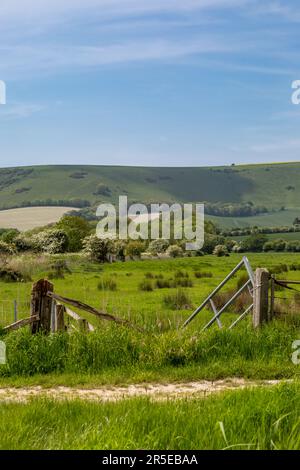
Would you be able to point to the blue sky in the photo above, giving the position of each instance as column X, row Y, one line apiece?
column 149, row 82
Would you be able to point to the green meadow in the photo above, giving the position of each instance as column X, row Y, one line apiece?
column 253, row 419
column 164, row 351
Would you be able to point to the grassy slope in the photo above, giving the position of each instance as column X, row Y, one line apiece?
column 262, row 184
column 247, row 419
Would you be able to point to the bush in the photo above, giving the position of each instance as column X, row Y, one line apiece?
column 174, row 251
column 52, row 241
column 158, row 246
column 254, row 242
column 220, row 250
column 102, row 190
column 210, row 242
column 178, row 301
column 293, row 247
column 6, row 249
column 135, row 248
column 97, row 249
column 24, row 243
column 146, row 286
column 9, row 235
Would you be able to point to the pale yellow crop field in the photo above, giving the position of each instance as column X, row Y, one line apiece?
column 28, row 218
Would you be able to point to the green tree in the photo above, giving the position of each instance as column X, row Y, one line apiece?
column 76, row 229
column 254, row 242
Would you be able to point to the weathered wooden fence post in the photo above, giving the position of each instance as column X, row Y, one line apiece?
column 41, row 305
column 60, row 317
column 261, row 297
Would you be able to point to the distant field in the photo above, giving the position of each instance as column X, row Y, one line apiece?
column 289, row 237
column 272, row 219
column 28, row 218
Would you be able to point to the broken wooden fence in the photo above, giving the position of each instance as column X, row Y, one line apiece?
column 49, row 313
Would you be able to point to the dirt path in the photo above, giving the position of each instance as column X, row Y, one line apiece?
column 155, row 391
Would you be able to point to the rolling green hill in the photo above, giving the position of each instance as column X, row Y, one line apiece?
column 271, row 185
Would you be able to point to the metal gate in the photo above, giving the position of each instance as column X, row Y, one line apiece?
column 249, row 284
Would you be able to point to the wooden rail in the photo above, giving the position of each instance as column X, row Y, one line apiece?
column 19, row 324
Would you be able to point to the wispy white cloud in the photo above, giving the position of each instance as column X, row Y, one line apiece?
column 27, row 59
column 19, row 110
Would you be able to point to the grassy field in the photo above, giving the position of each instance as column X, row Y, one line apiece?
column 249, row 419
column 272, row 219
column 28, row 218
column 288, row 236
column 165, row 351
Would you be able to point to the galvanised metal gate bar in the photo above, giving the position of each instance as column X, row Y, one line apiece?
column 249, row 284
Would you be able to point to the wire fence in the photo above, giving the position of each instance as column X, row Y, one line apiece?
column 13, row 310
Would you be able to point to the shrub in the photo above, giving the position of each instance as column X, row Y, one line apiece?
column 268, row 246
column 6, row 249
column 293, row 247
column 97, row 249
column 135, row 248
column 210, row 242
column 279, row 245
column 102, row 190
column 24, row 243
column 254, row 242
column 158, row 246
column 9, row 235
column 52, row 241
column 146, row 286
column 174, row 251
column 177, row 301
column 220, row 250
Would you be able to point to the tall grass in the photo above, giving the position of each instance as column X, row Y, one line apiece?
column 242, row 352
column 248, row 419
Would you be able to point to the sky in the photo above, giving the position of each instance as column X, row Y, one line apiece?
column 149, row 82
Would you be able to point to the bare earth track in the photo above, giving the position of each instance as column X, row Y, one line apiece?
column 154, row 391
